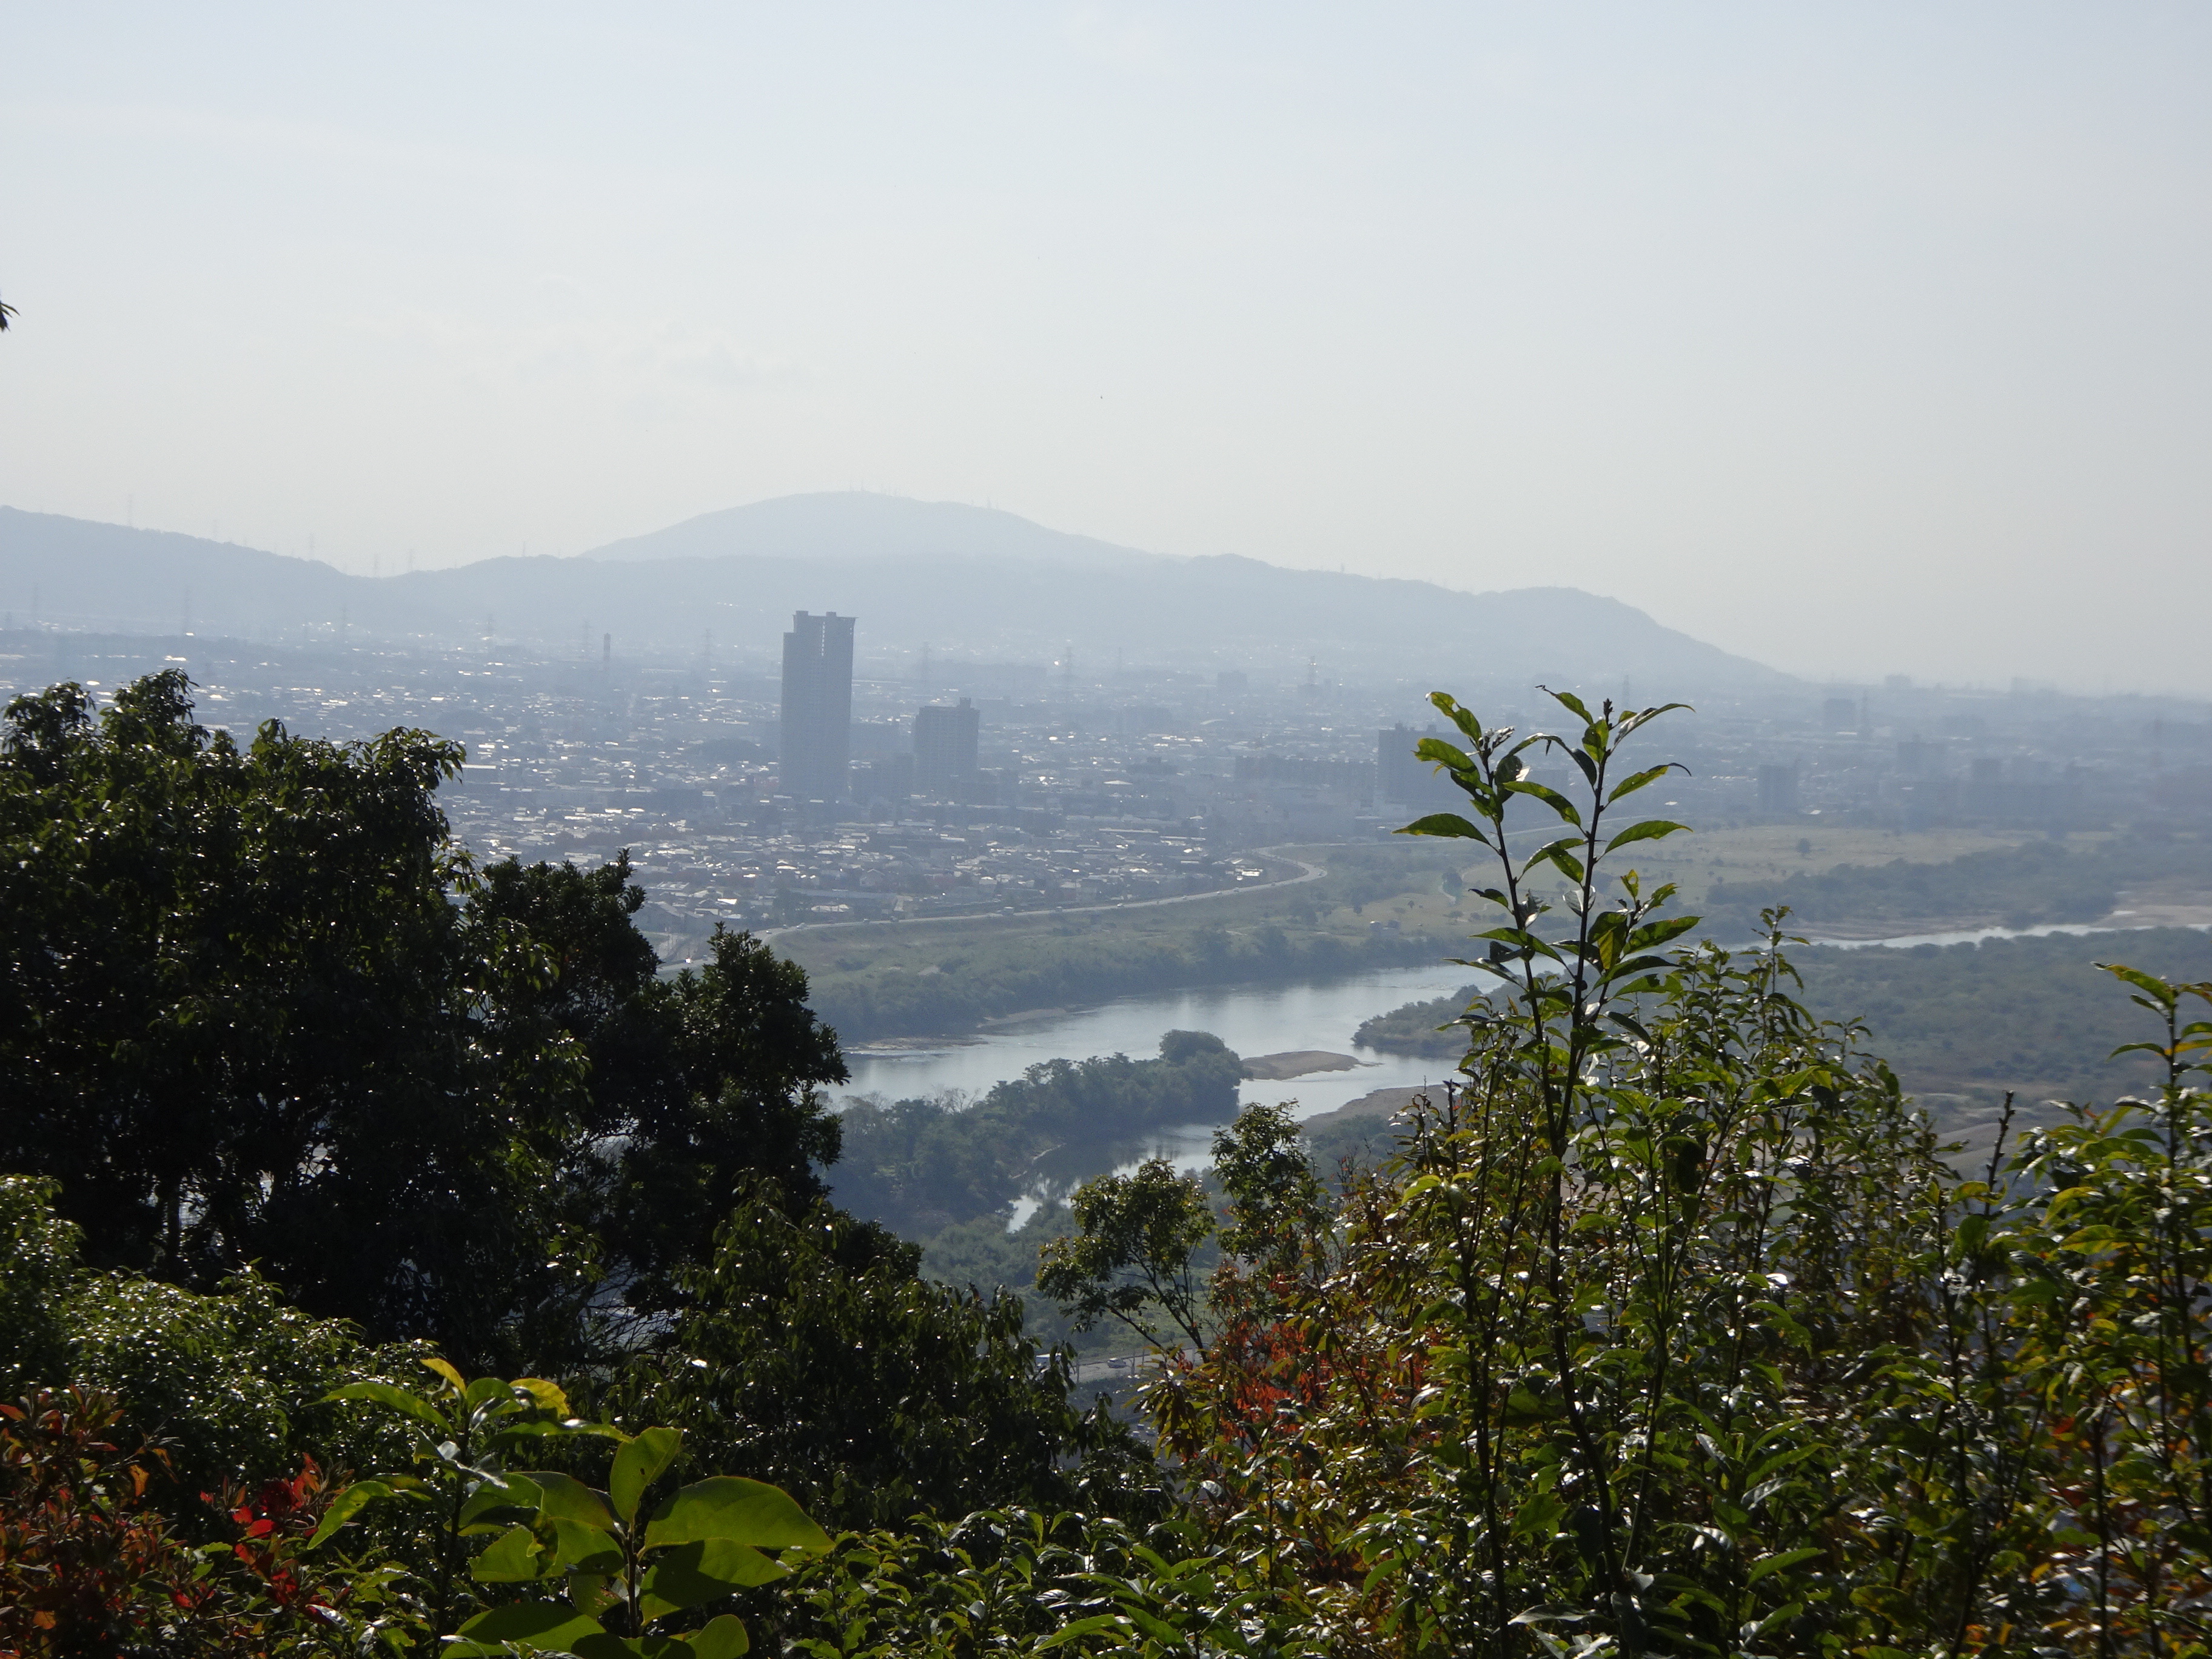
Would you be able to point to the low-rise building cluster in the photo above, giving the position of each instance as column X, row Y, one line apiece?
column 1028, row 791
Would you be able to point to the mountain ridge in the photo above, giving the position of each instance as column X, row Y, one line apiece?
column 1000, row 602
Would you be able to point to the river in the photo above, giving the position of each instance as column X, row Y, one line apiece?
column 1251, row 1019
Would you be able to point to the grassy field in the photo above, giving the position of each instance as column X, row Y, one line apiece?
column 1770, row 855
column 1374, row 906
column 1355, row 879
column 1402, row 880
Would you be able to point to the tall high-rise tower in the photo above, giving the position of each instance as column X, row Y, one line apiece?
column 817, row 706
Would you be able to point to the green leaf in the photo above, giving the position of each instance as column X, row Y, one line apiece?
column 1653, row 934
column 1567, row 811
column 729, row 1506
column 1521, row 939
column 1777, row 1562
column 513, row 1492
column 1538, row 1518
column 562, row 1498
column 445, row 1368
column 1629, row 1023
column 1556, row 1614
column 640, row 1463
column 585, row 1549
column 1629, row 721
column 1438, row 752
column 1444, row 823
column 513, row 1559
column 1573, row 704
column 553, row 1626
column 588, row 1592
column 390, row 1393
column 547, row 1394
column 1631, row 784
column 719, row 1639
column 1097, row 1625
column 2165, row 995
column 346, row 1506
column 1650, row 829
column 704, row 1571
column 1781, row 1616
column 1561, row 853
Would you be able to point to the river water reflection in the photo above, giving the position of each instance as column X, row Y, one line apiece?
column 1251, row 1019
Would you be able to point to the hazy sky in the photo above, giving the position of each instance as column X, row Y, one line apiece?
column 1859, row 338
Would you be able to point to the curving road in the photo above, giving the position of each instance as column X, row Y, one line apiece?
column 1307, row 872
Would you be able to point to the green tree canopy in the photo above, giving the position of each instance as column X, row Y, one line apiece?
column 810, row 1353
column 259, row 1007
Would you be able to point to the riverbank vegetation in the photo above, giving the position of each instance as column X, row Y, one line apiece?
column 2037, row 884
column 1669, row 1326
column 921, row 1165
column 1963, row 1026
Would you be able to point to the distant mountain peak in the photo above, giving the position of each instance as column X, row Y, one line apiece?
column 845, row 525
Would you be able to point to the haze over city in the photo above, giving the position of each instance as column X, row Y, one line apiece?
column 1104, row 831
column 1853, row 342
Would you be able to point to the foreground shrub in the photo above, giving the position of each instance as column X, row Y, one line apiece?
column 89, row 1569
column 813, row 1354
column 233, row 1385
